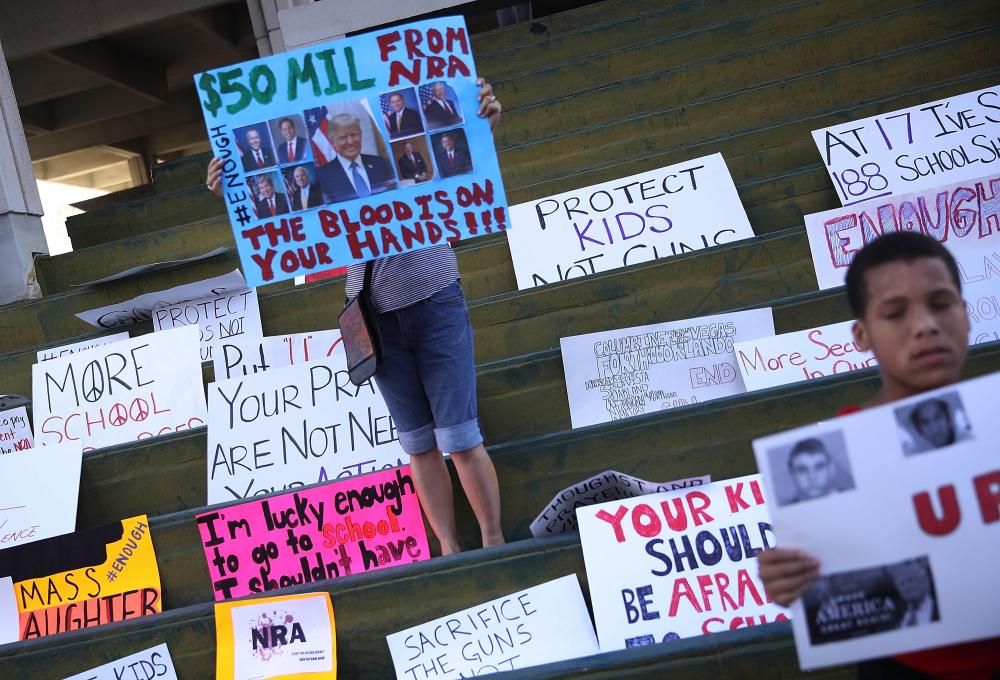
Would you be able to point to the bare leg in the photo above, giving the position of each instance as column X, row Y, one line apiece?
column 430, row 475
column 479, row 480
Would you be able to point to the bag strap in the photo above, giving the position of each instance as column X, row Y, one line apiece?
column 366, row 283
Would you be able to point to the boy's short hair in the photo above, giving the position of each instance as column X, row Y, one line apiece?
column 896, row 246
column 807, row 446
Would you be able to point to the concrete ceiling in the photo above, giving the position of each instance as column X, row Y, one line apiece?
column 105, row 87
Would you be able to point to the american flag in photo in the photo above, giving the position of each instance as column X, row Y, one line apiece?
column 384, row 100
column 288, row 174
column 317, row 121
column 425, row 94
column 254, row 193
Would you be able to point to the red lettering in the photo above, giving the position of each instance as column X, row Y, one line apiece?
column 988, row 492
column 929, row 521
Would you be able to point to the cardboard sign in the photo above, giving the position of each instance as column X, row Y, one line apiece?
column 82, row 346
column 559, row 516
column 677, row 564
column 219, row 318
column 901, row 506
column 141, row 308
column 132, row 390
column 15, row 431
column 293, row 426
column 543, row 624
column 36, row 506
column 353, row 150
column 9, row 620
column 626, row 372
column 294, row 636
column 84, row 579
column 802, row 355
column 964, row 217
column 152, row 267
column 148, row 664
column 249, row 356
column 356, row 525
column 677, row 209
column 950, row 140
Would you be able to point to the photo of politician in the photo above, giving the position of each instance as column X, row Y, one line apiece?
column 359, row 165
column 451, row 150
column 288, row 133
column 864, row 602
column 413, row 160
column 811, row 468
column 269, row 199
column 440, row 105
column 933, row 423
column 401, row 113
column 301, row 186
column 254, row 143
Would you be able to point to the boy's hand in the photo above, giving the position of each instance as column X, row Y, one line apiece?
column 786, row 573
column 489, row 105
column 214, row 180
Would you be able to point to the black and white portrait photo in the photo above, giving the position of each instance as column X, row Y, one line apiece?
column 811, row 468
column 858, row 603
column 933, row 423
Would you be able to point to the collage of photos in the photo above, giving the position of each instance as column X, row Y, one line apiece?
column 342, row 151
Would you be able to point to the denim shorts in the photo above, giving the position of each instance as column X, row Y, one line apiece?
column 427, row 374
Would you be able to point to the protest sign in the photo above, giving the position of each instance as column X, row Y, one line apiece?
column 15, row 431
column 352, row 150
column 294, row 636
column 140, row 308
column 8, row 612
column 152, row 267
column 965, row 217
column 293, row 426
column 148, row 664
column 901, row 506
column 248, row 356
column 802, row 355
column 348, row 527
column 677, row 209
column 543, row 624
column 134, row 389
column 678, row 564
column 626, row 372
column 218, row 318
column 84, row 579
column 38, row 504
column 82, row 346
column 559, row 515
column 950, row 140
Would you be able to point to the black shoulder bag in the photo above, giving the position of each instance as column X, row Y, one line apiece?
column 360, row 333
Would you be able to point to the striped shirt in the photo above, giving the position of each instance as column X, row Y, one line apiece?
column 402, row 280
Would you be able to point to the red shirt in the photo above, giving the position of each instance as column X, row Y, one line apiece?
column 968, row 661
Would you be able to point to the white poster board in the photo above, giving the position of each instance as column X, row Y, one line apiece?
column 678, row 564
column 82, row 346
column 247, row 356
column 149, row 664
column 15, row 431
column 802, row 355
column 543, row 624
column 141, row 308
column 36, row 505
column 131, row 390
column 295, row 426
column 908, row 539
column 656, row 214
column 10, row 621
column 965, row 217
column 947, row 141
column 626, row 372
column 219, row 318
column 559, row 515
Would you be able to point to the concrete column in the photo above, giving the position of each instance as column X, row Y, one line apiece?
column 266, row 28
column 21, row 233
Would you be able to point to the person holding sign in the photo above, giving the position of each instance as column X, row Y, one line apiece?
column 427, row 374
column 905, row 292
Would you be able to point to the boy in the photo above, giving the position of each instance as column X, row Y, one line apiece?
column 904, row 290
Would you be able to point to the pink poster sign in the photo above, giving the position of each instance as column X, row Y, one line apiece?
column 351, row 526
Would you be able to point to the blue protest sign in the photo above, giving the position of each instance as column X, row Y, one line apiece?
column 353, row 150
